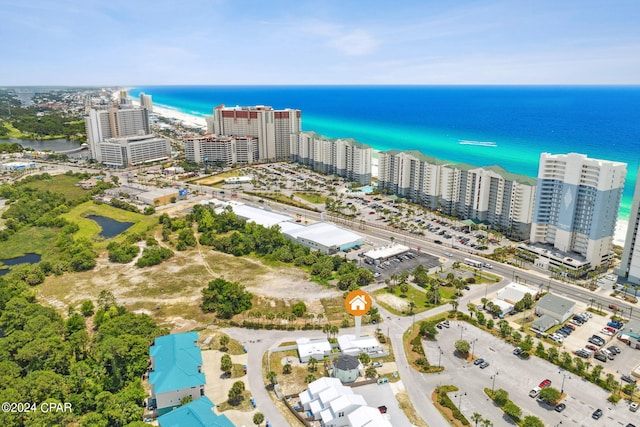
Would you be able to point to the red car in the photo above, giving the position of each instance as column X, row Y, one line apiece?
column 382, row 409
column 545, row 383
column 592, row 347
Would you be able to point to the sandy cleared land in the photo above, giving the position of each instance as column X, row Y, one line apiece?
column 171, row 291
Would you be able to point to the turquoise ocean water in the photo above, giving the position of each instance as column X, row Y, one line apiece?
column 520, row 122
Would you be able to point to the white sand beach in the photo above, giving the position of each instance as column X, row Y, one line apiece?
column 620, row 233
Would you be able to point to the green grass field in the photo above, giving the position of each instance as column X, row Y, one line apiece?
column 91, row 230
column 39, row 240
column 60, row 184
column 315, row 198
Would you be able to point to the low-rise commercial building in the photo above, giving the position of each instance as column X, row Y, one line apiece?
column 555, row 307
column 378, row 255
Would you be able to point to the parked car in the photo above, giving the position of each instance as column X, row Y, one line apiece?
column 592, row 347
column 478, row 361
column 570, row 326
column 377, row 364
column 517, row 351
column 596, row 414
column 382, row 409
column 560, row 407
column 534, row 392
column 484, row 365
column 601, row 357
column 615, row 349
column 628, row 379
column 545, row 383
column 633, row 407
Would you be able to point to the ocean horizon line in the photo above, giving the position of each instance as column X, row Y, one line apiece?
column 521, row 120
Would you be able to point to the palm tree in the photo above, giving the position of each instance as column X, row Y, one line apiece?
column 476, row 417
column 312, row 362
column 486, row 423
column 454, row 304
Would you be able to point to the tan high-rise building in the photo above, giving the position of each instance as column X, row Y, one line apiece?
column 341, row 156
column 491, row 195
column 221, row 149
column 275, row 130
column 146, row 102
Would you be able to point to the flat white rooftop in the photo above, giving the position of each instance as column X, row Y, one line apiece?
column 386, row 251
column 326, row 234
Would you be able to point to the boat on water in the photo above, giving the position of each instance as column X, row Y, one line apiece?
column 479, row 143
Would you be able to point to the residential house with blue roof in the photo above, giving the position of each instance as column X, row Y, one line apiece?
column 198, row 413
column 176, row 371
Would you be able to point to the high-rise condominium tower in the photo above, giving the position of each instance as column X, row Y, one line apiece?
column 275, row 129
column 630, row 264
column 576, row 207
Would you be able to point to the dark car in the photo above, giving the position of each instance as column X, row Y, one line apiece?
column 601, row 357
column 478, row 361
column 596, row 414
column 628, row 379
column 517, row 351
column 382, row 409
column 561, row 407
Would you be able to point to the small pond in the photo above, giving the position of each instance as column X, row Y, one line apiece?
column 25, row 259
column 110, row 227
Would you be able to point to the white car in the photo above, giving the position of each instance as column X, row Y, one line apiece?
column 557, row 338
column 606, row 332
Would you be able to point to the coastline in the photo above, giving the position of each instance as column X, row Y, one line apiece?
column 194, row 121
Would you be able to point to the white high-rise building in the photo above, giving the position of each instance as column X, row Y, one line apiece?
column 630, row 264
column 490, row 195
column 411, row 174
column 146, row 102
column 276, row 130
column 122, row 122
column 577, row 201
column 224, row 149
column 343, row 157
column 133, row 150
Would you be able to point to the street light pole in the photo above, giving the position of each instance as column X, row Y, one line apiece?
column 564, row 376
column 462, row 328
column 439, row 356
column 493, row 383
column 460, row 401
column 473, row 346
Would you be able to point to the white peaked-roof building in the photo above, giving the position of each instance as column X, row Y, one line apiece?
column 350, row 344
column 332, row 404
column 308, row 348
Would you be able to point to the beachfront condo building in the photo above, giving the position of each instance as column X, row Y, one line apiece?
column 486, row 195
column 115, row 122
column 146, row 102
column 228, row 150
column 274, row 129
column 410, row 174
column 577, row 201
column 343, row 157
column 133, row 150
column 630, row 264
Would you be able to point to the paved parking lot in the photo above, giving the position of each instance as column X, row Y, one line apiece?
column 624, row 363
column 517, row 377
column 401, row 263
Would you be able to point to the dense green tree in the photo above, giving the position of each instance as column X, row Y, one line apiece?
column 550, row 395
column 225, row 298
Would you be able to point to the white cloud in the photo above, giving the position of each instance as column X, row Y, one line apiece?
column 355, row 43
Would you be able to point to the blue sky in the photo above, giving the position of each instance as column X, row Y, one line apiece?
column 225, row 42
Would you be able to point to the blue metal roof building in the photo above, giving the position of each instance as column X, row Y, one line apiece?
column 198, row 413
column 176, row 364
